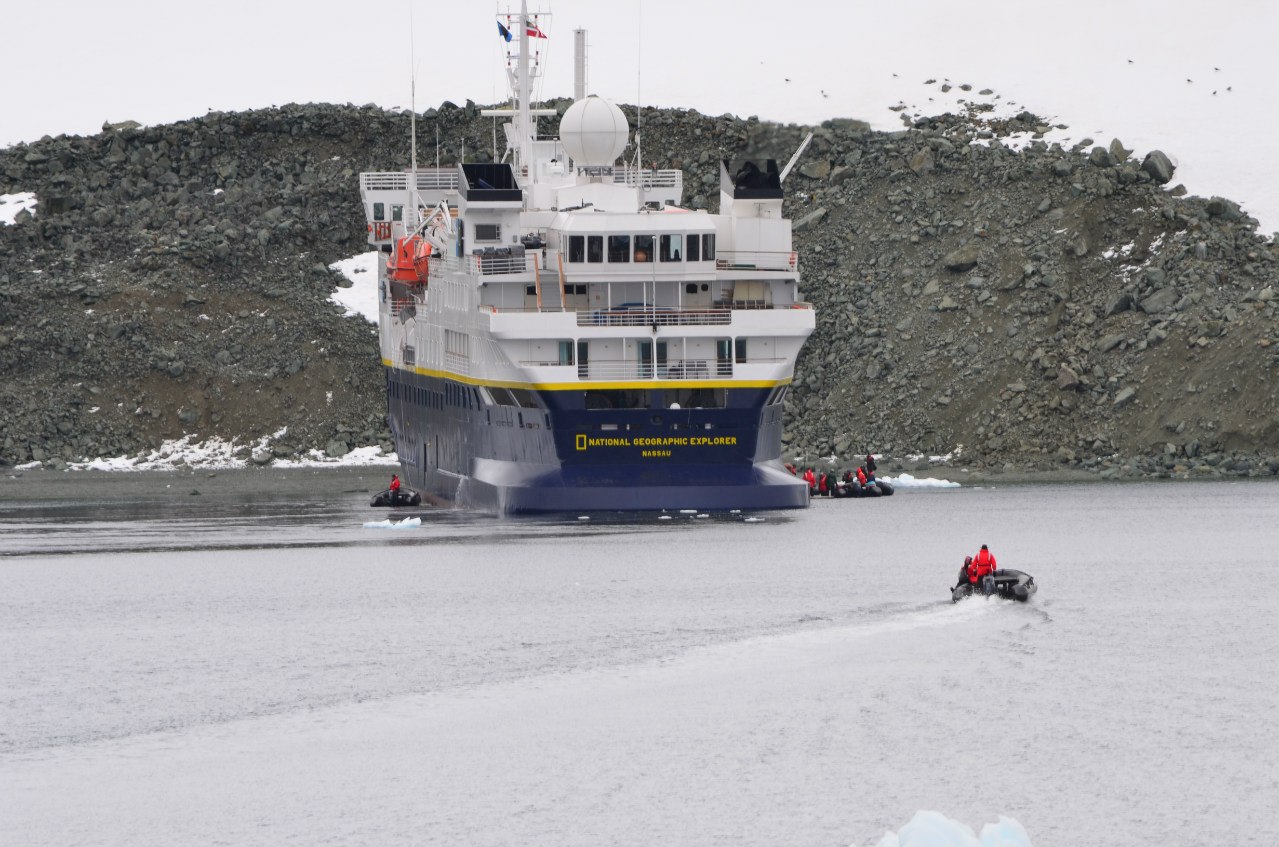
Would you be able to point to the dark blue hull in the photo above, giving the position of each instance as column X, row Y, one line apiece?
column 557, row 451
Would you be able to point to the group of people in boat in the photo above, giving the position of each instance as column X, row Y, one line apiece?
column 852, row 483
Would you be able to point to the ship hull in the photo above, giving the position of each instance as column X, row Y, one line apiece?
column 553, row 455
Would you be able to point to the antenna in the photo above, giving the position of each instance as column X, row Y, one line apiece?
column 412, row 98
column 639, row 107
column 795, row 158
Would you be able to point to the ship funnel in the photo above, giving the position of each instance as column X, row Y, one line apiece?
column 579, row 64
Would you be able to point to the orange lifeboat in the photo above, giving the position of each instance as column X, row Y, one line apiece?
column 411, row 260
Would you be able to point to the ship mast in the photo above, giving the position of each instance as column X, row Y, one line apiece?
column 520, row 110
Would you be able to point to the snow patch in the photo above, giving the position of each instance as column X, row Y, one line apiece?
column 362, row 297
column 216, row 453
column 12, row 204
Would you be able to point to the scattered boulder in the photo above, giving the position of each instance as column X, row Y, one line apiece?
column 1159, row 166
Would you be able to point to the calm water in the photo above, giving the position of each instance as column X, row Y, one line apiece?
column 222, row 670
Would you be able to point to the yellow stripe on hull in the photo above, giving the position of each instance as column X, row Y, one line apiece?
column 595, row 385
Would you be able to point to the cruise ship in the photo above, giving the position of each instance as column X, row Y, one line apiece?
column 560, row 334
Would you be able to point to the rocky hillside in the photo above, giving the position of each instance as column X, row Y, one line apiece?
column 1035, row 308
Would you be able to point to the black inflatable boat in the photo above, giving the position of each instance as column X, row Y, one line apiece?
column 853, row 488
column 403, row 497
column 1009, row 584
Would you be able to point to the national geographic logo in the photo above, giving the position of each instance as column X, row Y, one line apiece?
column 583, row 442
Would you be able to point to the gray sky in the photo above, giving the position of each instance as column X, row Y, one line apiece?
column 73, row 64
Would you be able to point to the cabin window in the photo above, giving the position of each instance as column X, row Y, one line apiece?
column 488, row 232
column 672, row 246
column 739, row 350
column 379, row 211
column 697, row 398
column 619, row 248
column 397, row 213
column 576, row 248
column 524, row 397
column 643, row 248
column 690, row 288
column 594, row 248
column 566, row 352
column 636, row 399
column 708, row 247
column 530, row 290
column 694, row 253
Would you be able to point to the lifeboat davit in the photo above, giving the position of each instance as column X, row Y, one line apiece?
column 411, row 260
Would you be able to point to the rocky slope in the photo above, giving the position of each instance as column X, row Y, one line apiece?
column 1035, row 308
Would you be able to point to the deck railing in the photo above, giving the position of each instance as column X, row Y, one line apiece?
column 673, row 369
column 654, row 316
column 756, row 260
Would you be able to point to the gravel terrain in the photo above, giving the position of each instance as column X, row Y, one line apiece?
column 1033, row 307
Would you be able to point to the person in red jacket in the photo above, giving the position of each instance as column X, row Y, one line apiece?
column 983, row 567
column 811, row 479
column 861, row 476
column 395, row 488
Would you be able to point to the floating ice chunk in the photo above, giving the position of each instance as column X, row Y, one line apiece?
column 905, row 480
column 752, row 520
column 734, row 511
column 688, row 511
column 663, row 517
column 583, row 517
column 933, row 829
column 703, row 515
column 407, row 523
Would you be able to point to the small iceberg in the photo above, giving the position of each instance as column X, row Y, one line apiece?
column 407, row 523
column 905, row 480
column 933, row 829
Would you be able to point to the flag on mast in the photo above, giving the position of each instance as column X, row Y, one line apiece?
column 503, row 31
column 533, row 31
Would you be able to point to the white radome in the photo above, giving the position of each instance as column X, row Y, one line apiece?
column 593, row 132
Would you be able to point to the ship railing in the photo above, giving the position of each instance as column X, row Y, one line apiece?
column 675, row 369
column 487, row 264
column 757, row 260
column 428, row 179
column 654, row 316
column 483, row 264
column 670, row 178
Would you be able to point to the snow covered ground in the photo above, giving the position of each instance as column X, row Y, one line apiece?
column 361, row 298
column 1195, row 80
column 12, row 204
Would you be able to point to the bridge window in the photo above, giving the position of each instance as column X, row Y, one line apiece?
column 619, row 248
column 576, row 248
column 488, row 232
column 397, row 213
column 708, row 247
column 379, row 211
column 643, row 248
column 672, row 246
column 594, row 248
column 694, row 251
